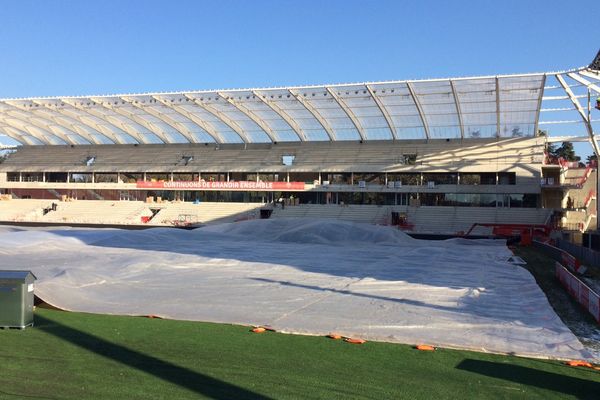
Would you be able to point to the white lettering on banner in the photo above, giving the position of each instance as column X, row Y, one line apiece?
column 232, row 185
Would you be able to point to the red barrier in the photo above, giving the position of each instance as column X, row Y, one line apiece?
column 588, row 299
column 571, row 262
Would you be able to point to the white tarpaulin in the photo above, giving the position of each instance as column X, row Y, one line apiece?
column 302, row 276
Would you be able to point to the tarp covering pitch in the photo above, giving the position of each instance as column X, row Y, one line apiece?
column 301, row 276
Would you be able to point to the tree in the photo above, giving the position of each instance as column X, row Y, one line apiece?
column 566, row 151
column 592, row 157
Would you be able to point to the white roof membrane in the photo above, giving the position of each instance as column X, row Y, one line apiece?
column 454, row 108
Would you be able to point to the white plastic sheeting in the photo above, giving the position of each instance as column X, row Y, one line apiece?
column 302, row 276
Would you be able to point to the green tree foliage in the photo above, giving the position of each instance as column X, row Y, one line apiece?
column 566, row 151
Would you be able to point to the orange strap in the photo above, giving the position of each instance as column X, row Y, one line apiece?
column 425, row 347
column 355, row 341
column 579, row 363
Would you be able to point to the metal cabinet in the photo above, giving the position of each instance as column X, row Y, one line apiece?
column 16, row 299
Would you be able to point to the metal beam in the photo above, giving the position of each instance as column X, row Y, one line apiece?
column 559, row 139
column 590, row 74
column 75, row 129
column 581, row 112
column 384, row 111
column 184, row 131
column 46, row 126
column 348, row 112
column 458, row 112
column 209, row 129
column 253, row 117
column 131, row 132
column 134, row 117
column 539, row 106
column 282, row 114
column 106, row 131
column 19, row 137
column 23, row 123
column 585, row 82
column 497, row 107
column 316, row 114
column 411, row 90
column 221, row 116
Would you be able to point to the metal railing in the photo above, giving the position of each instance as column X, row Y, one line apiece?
column 589, row 257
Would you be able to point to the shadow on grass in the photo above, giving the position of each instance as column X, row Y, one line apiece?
column 183, row 377
column 581, row 388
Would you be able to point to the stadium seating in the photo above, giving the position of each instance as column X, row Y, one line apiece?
column 22, row 210
column 206, row 213
column 438, row 220
column 96, row 212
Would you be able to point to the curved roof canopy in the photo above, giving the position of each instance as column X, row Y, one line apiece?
column 455, row 108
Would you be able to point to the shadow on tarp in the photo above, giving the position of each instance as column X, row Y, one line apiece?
column 297, row 255
column 183, row 377
column 578, row 387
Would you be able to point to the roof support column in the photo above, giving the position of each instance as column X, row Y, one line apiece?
column 582, row 113
column 348, row 112
column 458, row 112
column 309, row 107
column 497, row 107
column 248, row 113
column 384, row 111
column 222, row 117
column 282, row 114
column 411, row 90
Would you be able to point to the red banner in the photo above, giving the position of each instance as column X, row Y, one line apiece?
column 579, row 290
column 233, row 185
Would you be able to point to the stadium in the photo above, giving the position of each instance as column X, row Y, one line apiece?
column 435, row 156
column 312, row 209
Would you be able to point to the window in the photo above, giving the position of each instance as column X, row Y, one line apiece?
column 408, row 159
column 288, row 159
column 90, row 160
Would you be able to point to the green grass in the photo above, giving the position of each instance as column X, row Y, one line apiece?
column 85, row 356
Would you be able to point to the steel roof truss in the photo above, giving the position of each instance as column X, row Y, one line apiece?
column 315, row 113
column 348, row 112
column 209, row 129
column 282, row 114
column 415, row 99
column 107, row 132
column 581, row 112
column 221, row 116
column 186, row 133
column 384, row 111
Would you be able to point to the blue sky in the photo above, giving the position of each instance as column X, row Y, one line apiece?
column 53, row 48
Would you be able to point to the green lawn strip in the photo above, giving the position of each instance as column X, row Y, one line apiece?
column 74, row 355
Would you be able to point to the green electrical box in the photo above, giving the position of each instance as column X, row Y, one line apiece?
column 16, row 299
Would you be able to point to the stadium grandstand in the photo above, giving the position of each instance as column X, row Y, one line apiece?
column 432, row 156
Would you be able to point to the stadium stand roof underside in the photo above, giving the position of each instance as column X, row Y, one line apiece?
column 453, row 108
